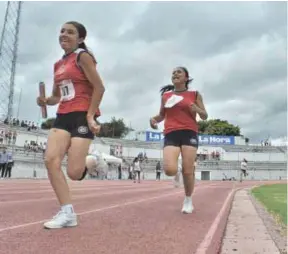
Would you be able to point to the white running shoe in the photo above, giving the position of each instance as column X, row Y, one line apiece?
column 176, row 180
column 62, row 220
column 187, row 205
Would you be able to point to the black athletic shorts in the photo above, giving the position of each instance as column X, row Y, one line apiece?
column 181, row 138
column 75, row 123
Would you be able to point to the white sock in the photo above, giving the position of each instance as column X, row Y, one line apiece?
column 67, row 208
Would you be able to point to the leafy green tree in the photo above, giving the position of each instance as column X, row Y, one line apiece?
column 48, row 123
column 203, row 125
column 218, row 127
column 116, row 128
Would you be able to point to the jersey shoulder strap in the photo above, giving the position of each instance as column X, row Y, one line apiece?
column 194, row 91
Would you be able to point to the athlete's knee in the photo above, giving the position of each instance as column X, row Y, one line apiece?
column 188, row 171
column 52, row 161
column 76, row 167
column 75, row 173
column 170, row 170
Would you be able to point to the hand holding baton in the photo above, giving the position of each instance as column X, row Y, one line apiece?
column 41, row 100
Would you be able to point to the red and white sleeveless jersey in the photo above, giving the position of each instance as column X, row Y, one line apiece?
column 178, row 117
column 75, row 89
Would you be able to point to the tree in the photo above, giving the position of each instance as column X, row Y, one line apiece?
column 48, row 123
column 218, row 127
column 203, row 125
column 116, row 128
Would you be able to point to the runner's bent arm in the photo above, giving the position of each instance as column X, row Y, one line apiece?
column 55, row 98
column 202, row 112
column 199, row 108
column 88, row 65
column 160, row 117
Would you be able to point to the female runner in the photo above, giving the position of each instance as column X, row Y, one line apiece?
column 179, row 107
column 79, row 90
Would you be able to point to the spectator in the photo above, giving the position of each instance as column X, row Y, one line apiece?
column 158, row 171
column 136, row 169
column 9, row 166
column 120, row 171
column 3, row 161
column 244, row 168
column 1, row 137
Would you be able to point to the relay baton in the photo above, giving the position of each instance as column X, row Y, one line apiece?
column 42, row 94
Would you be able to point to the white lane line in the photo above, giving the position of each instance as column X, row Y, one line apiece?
column 201, row 187
column 95, row 210
column 77, row 196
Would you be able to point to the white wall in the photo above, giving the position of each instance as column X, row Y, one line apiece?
column 253, row 174
column 238, row 156
column 25, row 170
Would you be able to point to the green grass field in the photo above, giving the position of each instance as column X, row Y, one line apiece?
column 274, row 198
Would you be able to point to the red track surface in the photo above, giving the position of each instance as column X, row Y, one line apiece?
column 114, row 217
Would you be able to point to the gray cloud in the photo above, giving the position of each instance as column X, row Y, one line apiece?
column 210, row 28
column 236, row 52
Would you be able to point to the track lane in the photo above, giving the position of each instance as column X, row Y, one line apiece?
column 149, row 226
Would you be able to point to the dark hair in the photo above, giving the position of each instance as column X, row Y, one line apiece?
column 81, row 31
column 135, row 159
column 171, row 87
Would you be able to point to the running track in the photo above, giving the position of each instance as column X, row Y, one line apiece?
column 114, row 217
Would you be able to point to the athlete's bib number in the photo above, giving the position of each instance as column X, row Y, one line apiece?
column 67, row 90
column 173, row 100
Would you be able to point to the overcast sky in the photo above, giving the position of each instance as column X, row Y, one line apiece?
column 235, row 51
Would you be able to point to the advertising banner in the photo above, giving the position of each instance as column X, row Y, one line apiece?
column 154, row 136
column 203, row 139
column 216, row 140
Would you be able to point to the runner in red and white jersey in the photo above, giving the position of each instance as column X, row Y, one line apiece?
column 179, row 108
column 78, row 89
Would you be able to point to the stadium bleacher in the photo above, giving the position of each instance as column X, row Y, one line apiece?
column 279, row 168
column 251, row 149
